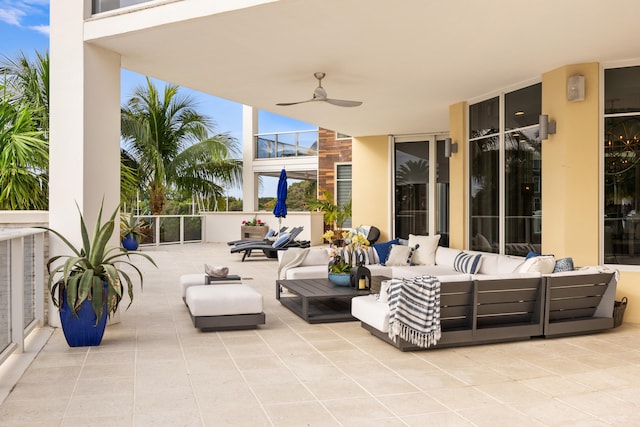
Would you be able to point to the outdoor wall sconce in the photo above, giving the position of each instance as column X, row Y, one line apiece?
column 546, row 127
column 450, row 147
column 575, row 88
column 360, row 278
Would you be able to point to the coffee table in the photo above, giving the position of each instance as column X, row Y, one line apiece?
column 319, row 300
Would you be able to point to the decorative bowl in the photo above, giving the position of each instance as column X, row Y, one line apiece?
column 340, row 279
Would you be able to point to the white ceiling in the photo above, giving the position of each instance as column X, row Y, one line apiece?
column 407, row 61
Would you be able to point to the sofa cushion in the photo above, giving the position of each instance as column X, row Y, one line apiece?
column 544, row 264
column 426, row 251
column 467, row 263
column 528, row 274
column 508, row 263
column 409, row 272
column 369, row 310
column 446, row 256
column 400, row 255
column 383, row 249
column 316, row 256
column 307, row 272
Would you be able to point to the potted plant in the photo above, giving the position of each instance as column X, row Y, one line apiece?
column 132, row 230
column 254, row 229
column 89, row 285
column 334, row 214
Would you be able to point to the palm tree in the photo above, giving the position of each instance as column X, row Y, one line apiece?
column 172, row 149
column 24, row 157
column 24, row 129
column 27, row 83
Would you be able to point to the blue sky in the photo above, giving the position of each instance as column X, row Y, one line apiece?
column 24, row 27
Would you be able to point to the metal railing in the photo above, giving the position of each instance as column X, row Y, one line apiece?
column 172, row 229
column 21, row 287
column 286, row 144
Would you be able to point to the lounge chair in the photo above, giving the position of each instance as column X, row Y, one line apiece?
column 271, row 234
column 284, row 242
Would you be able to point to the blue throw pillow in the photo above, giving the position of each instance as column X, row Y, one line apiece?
column 383, row 249
column 467, row 263
column 281, row 241
column 270, row 233
column 563, row 264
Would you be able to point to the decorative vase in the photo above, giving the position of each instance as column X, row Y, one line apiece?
column 340, row 279
column 130, row 243
column 81, row 330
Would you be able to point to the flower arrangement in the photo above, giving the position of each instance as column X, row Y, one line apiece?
column 254, row 222
column 342, row 259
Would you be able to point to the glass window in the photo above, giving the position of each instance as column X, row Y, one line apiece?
column 506, row 206
column 622, row 166
column 343, row 188
column 484, row 192
column 411, row 188
column 622, row 90
column 484, row 118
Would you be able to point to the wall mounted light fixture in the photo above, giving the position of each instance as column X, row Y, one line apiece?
column 450, row 147
column 575, row 88
column 546, row 127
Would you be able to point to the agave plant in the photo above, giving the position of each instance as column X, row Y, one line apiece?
column 92, row 268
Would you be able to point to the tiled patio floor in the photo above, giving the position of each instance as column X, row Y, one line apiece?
column 154, row 369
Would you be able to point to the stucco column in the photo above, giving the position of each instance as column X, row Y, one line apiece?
column 249, row 180
column 84, row 129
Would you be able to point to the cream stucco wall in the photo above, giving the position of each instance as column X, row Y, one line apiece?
column 570, row 172
column 458, row 177
column 371, row 183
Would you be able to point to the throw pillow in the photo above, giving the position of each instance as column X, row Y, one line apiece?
column 563, row 264
column 281, row 241
column 270, row 233
column 467, row 263
column 216, row 271
column 383, row 249
column 542, row 264
column 363, row 256
column 383, row 296
column 426, row 253
column 400, row 255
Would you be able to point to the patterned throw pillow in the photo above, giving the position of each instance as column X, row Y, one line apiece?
column 383, row 249
column 400, row 255
column 467, row 263
column 563, row 264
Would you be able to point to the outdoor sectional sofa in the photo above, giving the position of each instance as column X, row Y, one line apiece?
column 508, row 297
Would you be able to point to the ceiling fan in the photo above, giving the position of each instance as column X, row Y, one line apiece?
column 321, row 95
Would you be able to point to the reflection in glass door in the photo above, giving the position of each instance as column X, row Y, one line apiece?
column 421, row 199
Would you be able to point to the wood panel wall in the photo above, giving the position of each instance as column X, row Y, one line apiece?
column 330, row 151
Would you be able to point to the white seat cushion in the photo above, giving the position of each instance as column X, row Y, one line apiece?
column 369, row 310
column 223, row 300
column 188, row 280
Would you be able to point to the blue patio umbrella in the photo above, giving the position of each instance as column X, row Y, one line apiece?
column 280, row 211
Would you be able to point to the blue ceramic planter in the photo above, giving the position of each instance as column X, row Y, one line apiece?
column 340, row 279
column 130, row 243
column 81, row 330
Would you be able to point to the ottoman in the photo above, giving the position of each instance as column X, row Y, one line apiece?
column 224, row 307
column 188, row 280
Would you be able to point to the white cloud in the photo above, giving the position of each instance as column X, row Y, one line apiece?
column 15, row 12
column 44, row 29
column 11, row 15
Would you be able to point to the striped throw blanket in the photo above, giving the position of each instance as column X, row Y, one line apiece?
column 414, row 310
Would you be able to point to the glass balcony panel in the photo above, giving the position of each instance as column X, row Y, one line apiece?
column 29, row 280
column 106, row 5
column 170, row 230
column 286, row 144
column 192, row 229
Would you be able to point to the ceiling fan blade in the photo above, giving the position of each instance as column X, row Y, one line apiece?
column 343, row 102
column 286, row 104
